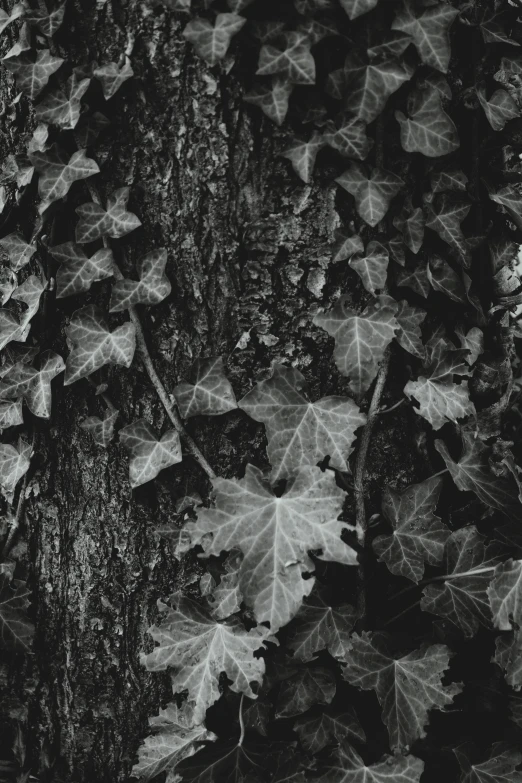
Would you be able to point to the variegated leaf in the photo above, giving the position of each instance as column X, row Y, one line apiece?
column 148, row 453
column 209, row 392
column 77, row 271
column 211, row 41
column 373, row 190
column 115, row 222
column 153, row 286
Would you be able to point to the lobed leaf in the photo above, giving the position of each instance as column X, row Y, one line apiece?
column 101, row 430
column 301, row 691
column 62, row 107
column 272, row 101
column 348, row 137
column 370, row 85
column 111, row 77
column 149, row 454
column 77, row 271
column 211, row 41
column 372, row 266
column 315, row 733
column 291, row 59
column 428, row 130
column 153, row 286
column 499, row 109
column 16, row 630
column 346, row 246
column 409, row 317
column 505, row 595
column 444, row 216
column 318, row 626
column 48, row 22
column 116, row 222
column 448, row 179
column 15, row 13
column 302, row 155
column 58, row 172
column 19, row 252
column 373, row 190
column 31, row 75
column 411, row 224
column 346, row 766
column 429, row 30
column 209, row 392
column 14, row 464
column 11, row 414
column 499, row 768
column 23, row 380
column 508, row 656
column 416, row 279
column 355, row 8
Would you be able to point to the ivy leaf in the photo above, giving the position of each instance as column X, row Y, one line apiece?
column 11, row 414
column 224, row 598
column 505, row 595
column 176, row 735
column 344, row 765
column 370, row 86
column 461, row 595
column 348, row 137
column 236, row 6
column 407, row 687
column 500, row 109
column 48, row 22
column 302, row 155
column 315, row 733
column 211, row 41
column 318, row 626
column 416, row 279
column 95, row 222
column 148, row 454
column 19, row 252
column 101, row 430
column 23, row 380
column 444, row 216
column 444, row 279
column 14, row 463
column 6, row 19
column 11, row 328
column 473, row 474
column 355, row 8
column 300, row 432
column 372, row 266
column 77, row 271
column 499, row 768
column 411, row 223
column 373, row 190
column 209, row 392
column 62, row 107
column 473, row 341
column 31, row 75
column 508, row 656
column 409, row 335
column 274, row 535
column 153, row 286
column 112, row 76
column 291, row 58
column 429, row 130
column 58, row 172
column 16, row 630
column 308, row 687
column 199, row 648
column 230, row 763
column 418, row 534
column 493, row 31
column 448, row 179
column 429, row 29
column 94, row 345
column 360, row 339
column 346, row 246
column 272, row 101
column 393, row 45
column 89, row 128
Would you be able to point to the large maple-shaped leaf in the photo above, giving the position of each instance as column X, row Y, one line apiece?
column 101, row 430
column 301, row 691
column 14, row 463
column 344, row 765
column 16, row 12
column 111, row 77
column 211, row 41
column 500, row 767
column 31, row 75
column 208, row 393
column 318, row 626
column 360, row 338
column 461, row 594
column 300, row 432
column 418, row 534
column 331, row 725
column 94, row 345
column 428, row 130
column 176, row 735
column 77, row 271
column 302, row 155
column 273, row 101
column 115, row 222
column 199, row 648
column 58, row 172
column 355, row 8
column 275, row 535
column 148, row 453
column 444, row 216
column 372, row 189
column 407, row 687
column 153, row 286
column 348, row 136
column 291, row 58
column 19, row 252
column 372, row 266
column 508, row 655
column 472, row 473
column 499, row 109
column 429, row 29
column 505, row 595
column 62, row 107
column 16, row 630
column 370, row 85
column 34, row 385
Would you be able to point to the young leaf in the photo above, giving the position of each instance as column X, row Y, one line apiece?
column 6, row 19
column 302, row 155
column 500, row 109
column 360, row 339
column 508, row 656
column 95, row 222
column 77, row 271
column 505, row 595
column 318, row 626
column 16, row 630
column 344, row 765
column 211, row 42
column 372, row 189
column 275, row 535
column 58, row 172
column 112, row 76
column 418, row 534
column 448, row 179
column 225, row 598
column 148, row 454
column 372, row 266
column 429, row 130
column 446, row 280
column 176, row 735
column 14, row 463
column 315, row 733
column 209, row 392
column 461, row 595
column 11, row 414
column 94, row 345
column 429, row 29
column 370, row 85
column 444, row 217
column 348, row 136
column 101, row 430
column 416, row 279
column 300, row 432
column 411, row 223
column 31, row 75
column 23, row 380
column 499, row 768
column 346, row 246
column 274, row 101
column 30, row 293
column 18, row 251
column 409, row 335
column 308, row 687
column 355, row 8
column 152, row 288
column 291, row 58
column 473, row 474
column 407, row 687
column 48, row 22
column 199, row 648
column 62, row 107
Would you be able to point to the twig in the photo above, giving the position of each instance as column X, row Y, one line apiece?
column 391, row 408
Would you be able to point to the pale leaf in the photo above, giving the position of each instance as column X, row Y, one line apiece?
column 148, row 453
column 428, row 130
column 95, row 222
column 209, row 392
column 211, row 41
column 373, row 190
column 112, row 76
column 58, row 172
column 31, row 75
column 292, row 59
column 101, row 430
column 372, row 266
column 345, row 765
column 272, row 101
column 153, row 286
column 302, row 155
column 77, row 271
column 429, row 29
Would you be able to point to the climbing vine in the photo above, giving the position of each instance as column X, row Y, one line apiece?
column 311, row 582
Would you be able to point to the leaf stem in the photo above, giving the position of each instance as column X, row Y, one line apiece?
column 241, row 721
column 443, row 578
